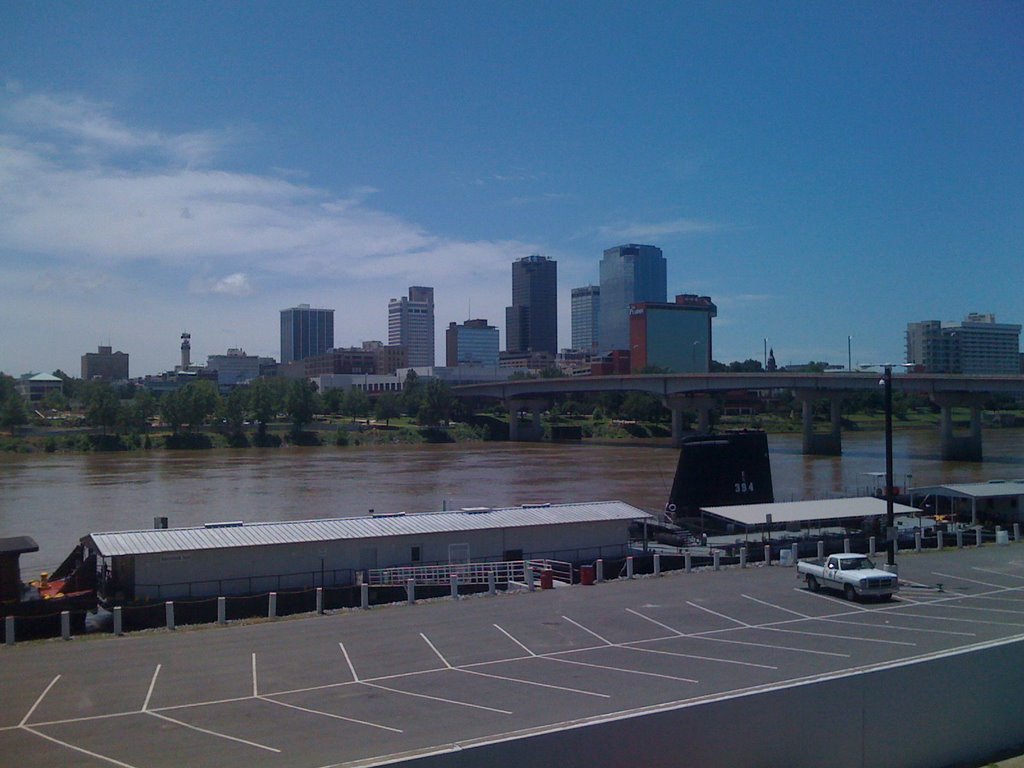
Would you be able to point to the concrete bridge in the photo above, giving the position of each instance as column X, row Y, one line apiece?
column 699, row 393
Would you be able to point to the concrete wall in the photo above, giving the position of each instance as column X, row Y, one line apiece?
column 960, row 708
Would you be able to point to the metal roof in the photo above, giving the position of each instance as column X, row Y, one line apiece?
column 991, row 489
column 226, row 535
column 807, row 511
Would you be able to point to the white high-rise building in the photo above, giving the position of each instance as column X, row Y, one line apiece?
column 411, row 324
column 978, row 345
column 586, row 314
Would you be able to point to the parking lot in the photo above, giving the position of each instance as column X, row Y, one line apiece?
column 363, row 686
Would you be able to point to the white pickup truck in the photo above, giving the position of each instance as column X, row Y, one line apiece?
column 853, row 575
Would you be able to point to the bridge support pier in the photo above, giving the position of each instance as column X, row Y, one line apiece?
column 519, row 433
column 959, row 447
column 679, row 405
column 826, row 443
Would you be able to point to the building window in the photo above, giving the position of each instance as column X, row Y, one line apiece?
column 415, row 555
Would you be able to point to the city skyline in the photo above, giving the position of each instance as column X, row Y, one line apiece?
column 820, row 172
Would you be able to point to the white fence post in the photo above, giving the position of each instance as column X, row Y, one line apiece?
column 629, row 567
column 846, row 546
column 821, row 549
column 657, row 564
column 272, row 606
column 9, row 630
column 118, row 630
column 599, row 570
column 938, row 539
column 767, row 554
column 716, row 558
column 364, row 597
column 410, row 590
column 528, row 572
column 222, row 610
column 492, row 586
column 871, row 546
column 169, row 612
column 454, row 581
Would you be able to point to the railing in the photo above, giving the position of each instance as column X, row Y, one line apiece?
column 504, row 572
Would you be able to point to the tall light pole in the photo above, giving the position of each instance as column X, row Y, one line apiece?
column 890, row 521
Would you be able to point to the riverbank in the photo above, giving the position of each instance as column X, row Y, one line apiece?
column 343, row 432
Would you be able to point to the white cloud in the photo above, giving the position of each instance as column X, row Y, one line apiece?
column 90, row 196
column 652, row 230
column 236, row 284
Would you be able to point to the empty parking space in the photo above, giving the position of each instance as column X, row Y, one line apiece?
column 320, row 691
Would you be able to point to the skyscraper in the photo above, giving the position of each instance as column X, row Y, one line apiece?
column 472, row 343
column 305, row 332
column 586, row 311
column 531, row 323
column 411, row 324
column 629, row 274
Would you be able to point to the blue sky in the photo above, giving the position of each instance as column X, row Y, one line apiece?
column 820, row 170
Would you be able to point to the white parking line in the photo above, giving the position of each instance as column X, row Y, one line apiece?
column 531, row 682
column 705, row 636
column 329, row 714
column 819, row 634
column 437, row 698
column 38, row 701
column 620, row 669
column 67, row 745
column 152, row 685
column 207, row 731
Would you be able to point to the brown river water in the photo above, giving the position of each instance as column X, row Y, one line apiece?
column 57, row 498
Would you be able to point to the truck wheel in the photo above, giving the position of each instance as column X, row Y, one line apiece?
column 812, row 584
column 849, row 592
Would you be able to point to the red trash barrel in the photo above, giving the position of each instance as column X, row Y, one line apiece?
column 547, row 579
column 586, row 575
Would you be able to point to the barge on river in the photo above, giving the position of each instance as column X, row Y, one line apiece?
column 236, row 558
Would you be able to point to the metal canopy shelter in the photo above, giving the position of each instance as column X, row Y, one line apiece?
column 993, row 489
column 819, row 511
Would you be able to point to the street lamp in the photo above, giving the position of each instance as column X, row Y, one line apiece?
column 890, row 522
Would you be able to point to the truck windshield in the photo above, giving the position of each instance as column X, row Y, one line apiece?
column 856, row 564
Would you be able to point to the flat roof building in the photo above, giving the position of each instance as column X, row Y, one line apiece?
column 411, row 324
column 586, row 315
column 531, row 323
column 977, row 345
column 472, row 343
column 673, row 337
column 305, row 332
column 105, row 365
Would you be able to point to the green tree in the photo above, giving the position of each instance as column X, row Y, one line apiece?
column 54, row 401
column 412, row 393
column 12, row 406
column 143, row 407
column 102, row 406
column 387, row 408
column 333, row 400
column 300, row 403
column 72, row 387
column 263, row 404
column 356, row 403
column 640, row 406
column 192, row 404
column 437, row 403
column 233, row 409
